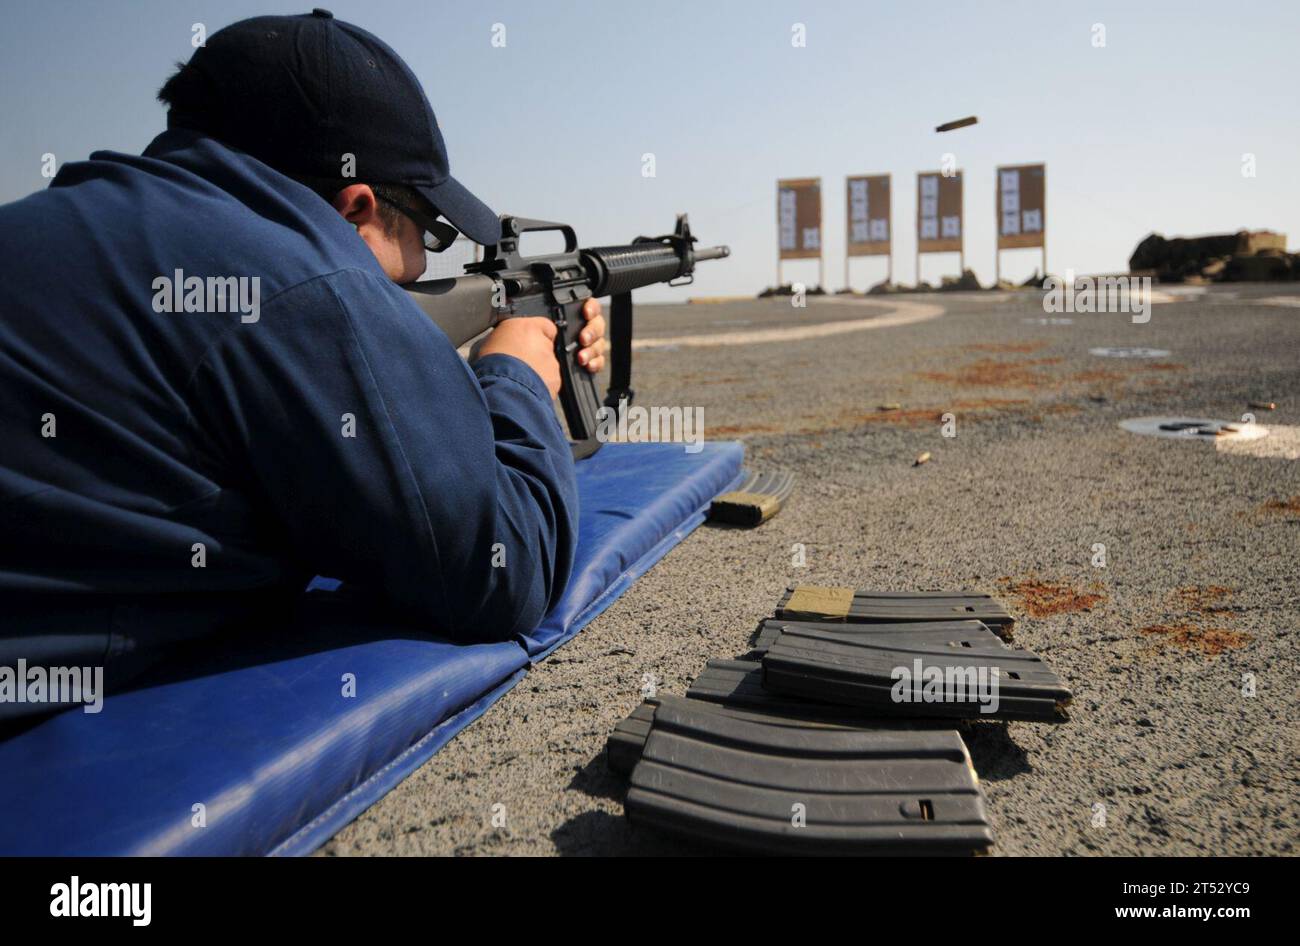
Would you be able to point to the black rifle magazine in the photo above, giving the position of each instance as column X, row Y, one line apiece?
column 790, row 787
column 857, row 670
column 739, row 683
column 841, row 604
column 757, row 499
column 921, row 635
column 623, row 748
column 625, row 744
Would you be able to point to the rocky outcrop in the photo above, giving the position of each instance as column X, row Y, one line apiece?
column 1247, row 255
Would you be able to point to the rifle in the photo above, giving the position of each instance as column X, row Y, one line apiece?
column 506, row 284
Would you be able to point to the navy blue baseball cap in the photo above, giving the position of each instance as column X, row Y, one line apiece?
column 302, row 93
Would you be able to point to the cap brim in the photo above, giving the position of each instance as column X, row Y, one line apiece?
column 466, row 212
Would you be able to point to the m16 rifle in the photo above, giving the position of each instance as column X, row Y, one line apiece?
column 506, row 284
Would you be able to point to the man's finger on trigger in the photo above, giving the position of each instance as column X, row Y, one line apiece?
column 591, row 309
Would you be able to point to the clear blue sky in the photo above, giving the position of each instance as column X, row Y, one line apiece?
column 1145, row 134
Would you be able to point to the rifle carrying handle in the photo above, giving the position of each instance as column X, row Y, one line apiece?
column 515, row 227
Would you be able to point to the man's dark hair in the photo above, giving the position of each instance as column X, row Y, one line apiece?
column 188, row 96
column 190, row 104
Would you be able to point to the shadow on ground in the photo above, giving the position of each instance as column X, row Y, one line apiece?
column 602, row 834
column 995, row 755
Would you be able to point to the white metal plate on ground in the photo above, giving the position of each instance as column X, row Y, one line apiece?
column 1282, row 443
column 1124, row 352
column 1205, row 430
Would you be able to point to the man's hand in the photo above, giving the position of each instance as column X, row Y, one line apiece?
column 592, row 339
column 532, row 341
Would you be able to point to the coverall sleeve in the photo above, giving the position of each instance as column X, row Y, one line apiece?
column 386, row 461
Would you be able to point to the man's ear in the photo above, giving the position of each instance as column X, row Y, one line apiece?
column 358, row 205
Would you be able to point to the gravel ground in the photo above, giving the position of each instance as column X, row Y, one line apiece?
column 1200, row 588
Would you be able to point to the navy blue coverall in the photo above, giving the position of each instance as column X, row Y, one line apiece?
column 166, row 473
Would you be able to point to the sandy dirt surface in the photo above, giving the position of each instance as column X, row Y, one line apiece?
column 1200, row 590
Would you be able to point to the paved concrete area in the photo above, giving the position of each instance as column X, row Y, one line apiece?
column 1199, row 596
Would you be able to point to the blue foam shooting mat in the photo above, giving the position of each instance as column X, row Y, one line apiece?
column 265, row 739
